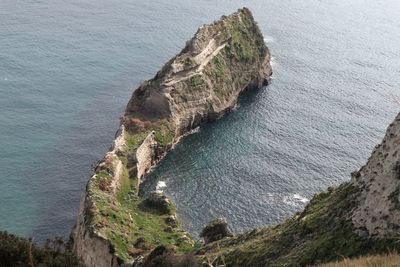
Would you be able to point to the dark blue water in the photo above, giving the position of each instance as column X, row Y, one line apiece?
column 68, row 68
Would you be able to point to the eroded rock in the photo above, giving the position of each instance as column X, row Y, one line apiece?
column 215, row 230
column 158, row 202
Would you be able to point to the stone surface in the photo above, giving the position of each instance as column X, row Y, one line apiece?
column 158, row 202
column 145, row 155
column 171, row 221
column 379, row 209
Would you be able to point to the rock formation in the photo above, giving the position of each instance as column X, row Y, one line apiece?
column 215, row 230
column 115, row 227
column 378, row 211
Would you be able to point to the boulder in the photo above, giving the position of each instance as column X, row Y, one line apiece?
column 215, row 230
column 171, row 221
column 158, row 202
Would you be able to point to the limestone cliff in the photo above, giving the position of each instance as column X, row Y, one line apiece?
column 378, row 212
column 115, row 225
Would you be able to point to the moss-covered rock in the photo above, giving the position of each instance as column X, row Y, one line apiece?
column 159, row 203
column 215, row 230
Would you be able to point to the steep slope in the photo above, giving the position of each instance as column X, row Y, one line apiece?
column 359, row 217
column 378, row 212
column 390, row 260
column 116, row 226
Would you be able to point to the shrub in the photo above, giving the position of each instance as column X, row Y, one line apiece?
column 20, row 252
column 166, row 257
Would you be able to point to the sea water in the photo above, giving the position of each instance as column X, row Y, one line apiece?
column 68, row 68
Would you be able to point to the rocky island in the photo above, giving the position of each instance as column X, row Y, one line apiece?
column 115, row 225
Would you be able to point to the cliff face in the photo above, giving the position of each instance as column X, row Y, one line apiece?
column 379, row 180
column 359, row 217
column 116, row 226
column 90, row 242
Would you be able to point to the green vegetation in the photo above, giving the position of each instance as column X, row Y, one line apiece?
column 390, row 260
column 166, row 256
column 124, row 217
column 20, row 252
column 321, row 233
column 187, row 61
column 164, row 136
column 218, row 68
column 123, row 220
column 216, row 71
column 134, row 140
column 195, row 81
column 245, row 48
column 157, row 203
column 247, row 42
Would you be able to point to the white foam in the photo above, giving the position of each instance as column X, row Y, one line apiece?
column 295, row 200
column 160, row 186
column 300, row 198
column 268, row 39
column 273, row 61
column 195, row 130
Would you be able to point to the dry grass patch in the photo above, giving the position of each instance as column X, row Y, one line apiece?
column 391, row 260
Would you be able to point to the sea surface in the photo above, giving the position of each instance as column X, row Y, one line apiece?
column 68, row 68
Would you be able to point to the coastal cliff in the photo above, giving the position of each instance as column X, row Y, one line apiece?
column 360, row 217
column 116, row 226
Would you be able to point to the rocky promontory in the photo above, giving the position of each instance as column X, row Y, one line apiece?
column 116, row 226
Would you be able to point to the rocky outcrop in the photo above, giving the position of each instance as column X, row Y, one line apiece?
column 198, row 85
column 378, row 211
column 201, row 83
column 215, row 230
column 146, row 155
column 158, row 202
column 90, row 246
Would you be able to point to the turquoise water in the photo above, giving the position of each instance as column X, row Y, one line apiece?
column 68, row 68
